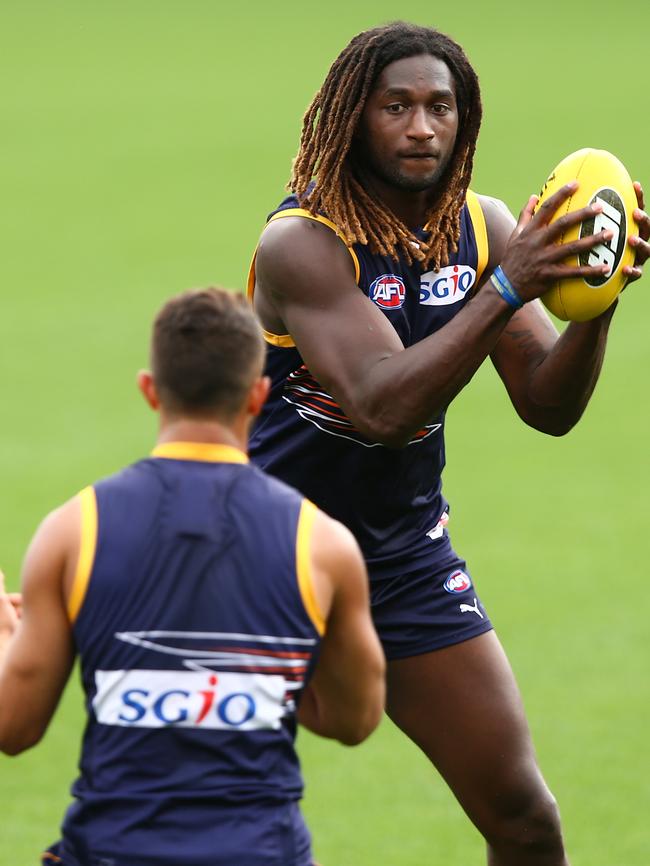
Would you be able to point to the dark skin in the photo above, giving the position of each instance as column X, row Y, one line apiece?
column 306, row 288
column 304, row 272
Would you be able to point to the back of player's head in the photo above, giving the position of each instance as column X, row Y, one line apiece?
column 206, row 351
column 331, row 123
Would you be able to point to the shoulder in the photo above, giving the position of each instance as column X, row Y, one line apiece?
column 495, row 211
column 54, row 548
column 499, row 225
column 272, row 490
column 62, row 522
column 140, row 477
column 296, row 227
column 299, row 244
column 333, row 544
column 336, row 566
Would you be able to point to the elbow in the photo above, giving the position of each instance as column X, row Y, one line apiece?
column 391, row 418
column 353, row 738
column 366, row 722
column 394, row 441
column 354, row 735
column 559, row 430
column 551, row 422
column 554, row 428
column 13, row 747
column 13, row 743
column 385, row 430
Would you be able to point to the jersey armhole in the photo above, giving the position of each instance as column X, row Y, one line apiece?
column 87, row 547
column 306, row 519
column 286, row 341
column 480, row 232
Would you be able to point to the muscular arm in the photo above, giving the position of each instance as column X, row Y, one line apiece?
column 549, row 377
column 36, row 652
column 305, row 287
column 345, row 697
column 389, row 393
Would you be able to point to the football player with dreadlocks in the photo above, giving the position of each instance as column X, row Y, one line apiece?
column 382, row 283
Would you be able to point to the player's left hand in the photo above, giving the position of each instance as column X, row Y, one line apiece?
column 10, row 608
column 639, row 242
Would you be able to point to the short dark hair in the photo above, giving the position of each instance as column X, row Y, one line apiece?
column 329, row 126
column 206, row 351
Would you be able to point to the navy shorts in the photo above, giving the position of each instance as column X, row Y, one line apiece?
column 430, row 602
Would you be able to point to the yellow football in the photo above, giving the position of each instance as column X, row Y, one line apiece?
column 605, row 180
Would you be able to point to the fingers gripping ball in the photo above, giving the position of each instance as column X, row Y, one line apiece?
column 603, row 180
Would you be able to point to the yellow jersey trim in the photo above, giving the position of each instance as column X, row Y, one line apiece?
column 286, row 341
column 306, row 519
column 480, row 232
column 87, row 546
column 317, row 218
column 204, row 452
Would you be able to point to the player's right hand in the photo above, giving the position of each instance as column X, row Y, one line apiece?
column 534, row 257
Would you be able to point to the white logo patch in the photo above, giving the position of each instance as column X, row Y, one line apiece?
column 189, row 699
column 446, row 286
column 471, row 608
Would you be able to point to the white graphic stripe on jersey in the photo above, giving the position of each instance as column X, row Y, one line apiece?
column 136, row 637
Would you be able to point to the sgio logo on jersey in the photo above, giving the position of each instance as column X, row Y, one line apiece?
column 189, row 699
column 446, row 286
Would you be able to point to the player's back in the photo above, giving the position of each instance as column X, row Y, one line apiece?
column 195, row 642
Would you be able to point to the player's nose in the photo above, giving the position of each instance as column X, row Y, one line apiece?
column 420, row 127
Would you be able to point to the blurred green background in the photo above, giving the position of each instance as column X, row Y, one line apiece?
column 143, row 143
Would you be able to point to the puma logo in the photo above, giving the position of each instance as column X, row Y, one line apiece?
column 471, row 608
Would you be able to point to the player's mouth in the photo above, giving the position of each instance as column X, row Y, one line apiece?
column 419, row 155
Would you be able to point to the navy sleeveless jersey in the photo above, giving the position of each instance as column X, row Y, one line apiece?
column 389, row 498
column 196, row 627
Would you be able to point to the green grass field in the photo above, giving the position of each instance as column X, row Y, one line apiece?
column 143, row 145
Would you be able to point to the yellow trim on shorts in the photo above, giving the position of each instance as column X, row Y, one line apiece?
column 286, row 341
column 480, row 232
column 204, row 452
column 87, row 546
column 306, row 519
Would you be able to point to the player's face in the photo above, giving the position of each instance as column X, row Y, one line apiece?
column 409, row 123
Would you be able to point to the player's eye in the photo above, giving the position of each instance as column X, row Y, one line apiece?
column 440, row 108
column 395, row 108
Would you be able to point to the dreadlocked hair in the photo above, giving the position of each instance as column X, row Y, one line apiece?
column 325, row 178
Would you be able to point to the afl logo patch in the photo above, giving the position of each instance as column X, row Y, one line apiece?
column 457, row 581
column 388, row 292
column 610, row 252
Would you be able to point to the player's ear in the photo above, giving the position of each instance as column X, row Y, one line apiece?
column 257, row 395
column 147, row 388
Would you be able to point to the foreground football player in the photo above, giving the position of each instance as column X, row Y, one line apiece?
column 205, row 601
column 383, row 283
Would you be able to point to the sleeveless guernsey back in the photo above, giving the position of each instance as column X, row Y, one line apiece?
column 196, row 630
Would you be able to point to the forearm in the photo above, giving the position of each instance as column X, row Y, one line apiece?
column 564, row 381
column 325, row 708
column 401, row 393
column 312, row 715
column 5, row 640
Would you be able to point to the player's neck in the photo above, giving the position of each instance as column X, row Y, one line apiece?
column 410, row 207
column 204, row 430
